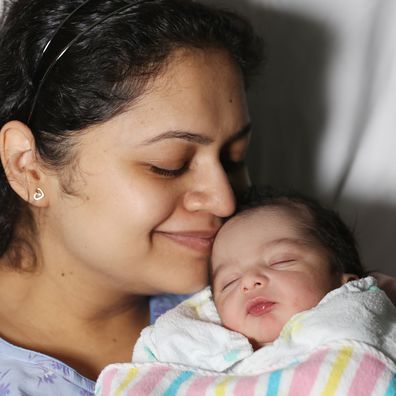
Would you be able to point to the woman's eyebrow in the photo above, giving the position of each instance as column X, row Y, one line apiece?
column 195, row 137
column 183, row 135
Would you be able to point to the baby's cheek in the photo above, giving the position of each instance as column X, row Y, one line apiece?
column 228, row 316
column 307, row 300
column 220, row 310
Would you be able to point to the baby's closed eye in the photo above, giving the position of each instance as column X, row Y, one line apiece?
column 280, row 263
column 228, row 283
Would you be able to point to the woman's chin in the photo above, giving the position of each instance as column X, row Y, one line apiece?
column 189, row 285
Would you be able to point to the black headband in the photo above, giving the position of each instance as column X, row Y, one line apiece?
column 61, row 41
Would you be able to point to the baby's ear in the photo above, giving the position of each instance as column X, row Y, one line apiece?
column 345, row 277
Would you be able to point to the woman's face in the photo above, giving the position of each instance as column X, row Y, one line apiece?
column 150, row 185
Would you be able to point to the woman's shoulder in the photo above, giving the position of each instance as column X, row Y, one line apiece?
column 24, row 372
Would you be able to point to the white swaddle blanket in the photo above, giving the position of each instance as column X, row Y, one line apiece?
column 345, row 345
column 191, row 334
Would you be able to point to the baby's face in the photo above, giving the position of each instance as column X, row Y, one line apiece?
column 264, row 271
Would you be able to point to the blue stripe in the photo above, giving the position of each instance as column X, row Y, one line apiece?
column 391, row 391
column 177, row 382
column 273, row 383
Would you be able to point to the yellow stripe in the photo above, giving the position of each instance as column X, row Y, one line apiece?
column 339, row 366
column 194, row 305
column 128, row 378
column 221, row 387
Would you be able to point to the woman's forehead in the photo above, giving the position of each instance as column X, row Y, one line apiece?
column 198, row 94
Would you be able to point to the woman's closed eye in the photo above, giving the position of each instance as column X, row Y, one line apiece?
column 169, row 172
column 232, row 166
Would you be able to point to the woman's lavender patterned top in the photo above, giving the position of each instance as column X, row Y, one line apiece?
column 28, row 373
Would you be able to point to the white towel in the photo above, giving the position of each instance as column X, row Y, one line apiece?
column 191, row 334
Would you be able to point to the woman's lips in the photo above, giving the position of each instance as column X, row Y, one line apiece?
column 259, row 306
column 200, row 241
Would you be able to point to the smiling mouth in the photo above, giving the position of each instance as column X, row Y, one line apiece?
column 198, row 241
column 259, row 306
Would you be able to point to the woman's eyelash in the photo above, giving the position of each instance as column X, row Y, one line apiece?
column 169, row 172
column 232, row 166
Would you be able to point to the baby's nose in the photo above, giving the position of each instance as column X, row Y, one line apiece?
column 251, row 283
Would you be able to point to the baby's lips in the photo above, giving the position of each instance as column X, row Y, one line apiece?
column 259, row 306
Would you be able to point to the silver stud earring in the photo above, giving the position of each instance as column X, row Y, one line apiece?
column 39, row 194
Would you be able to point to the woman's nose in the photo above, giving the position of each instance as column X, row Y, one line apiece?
column 211, row 193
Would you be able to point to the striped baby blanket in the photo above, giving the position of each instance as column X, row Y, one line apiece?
column 344, row 346
column 338, row 370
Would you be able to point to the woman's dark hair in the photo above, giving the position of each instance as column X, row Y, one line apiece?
column 102, row 73
column 321, row 223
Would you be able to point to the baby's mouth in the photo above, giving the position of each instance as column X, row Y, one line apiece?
column 259, row 306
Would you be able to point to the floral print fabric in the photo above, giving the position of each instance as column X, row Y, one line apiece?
column 28, row 373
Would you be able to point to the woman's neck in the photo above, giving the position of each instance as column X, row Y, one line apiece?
column 83, row 325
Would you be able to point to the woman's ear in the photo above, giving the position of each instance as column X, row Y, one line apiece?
column 345, row 277
column 17, row 152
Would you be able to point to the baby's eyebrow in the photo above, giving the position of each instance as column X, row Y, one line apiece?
column 216, row 271
column 220, row 268
column 288, row 241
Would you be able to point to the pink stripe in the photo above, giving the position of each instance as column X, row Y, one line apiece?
column 305, row 374
column 199, row 386
column 148, row 382
column 107, row 380
column 246, row 386
column 369, row 371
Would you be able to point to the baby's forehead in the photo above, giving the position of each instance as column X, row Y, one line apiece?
column 256, row 230
column 296, row 218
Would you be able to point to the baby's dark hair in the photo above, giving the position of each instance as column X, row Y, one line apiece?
column 105, row 71
column 321, row 223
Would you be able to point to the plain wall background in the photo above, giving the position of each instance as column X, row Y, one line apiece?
column 323, row 110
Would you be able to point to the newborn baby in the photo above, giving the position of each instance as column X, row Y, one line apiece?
column 286, row 310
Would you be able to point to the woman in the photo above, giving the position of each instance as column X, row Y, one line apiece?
column 121, row 122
